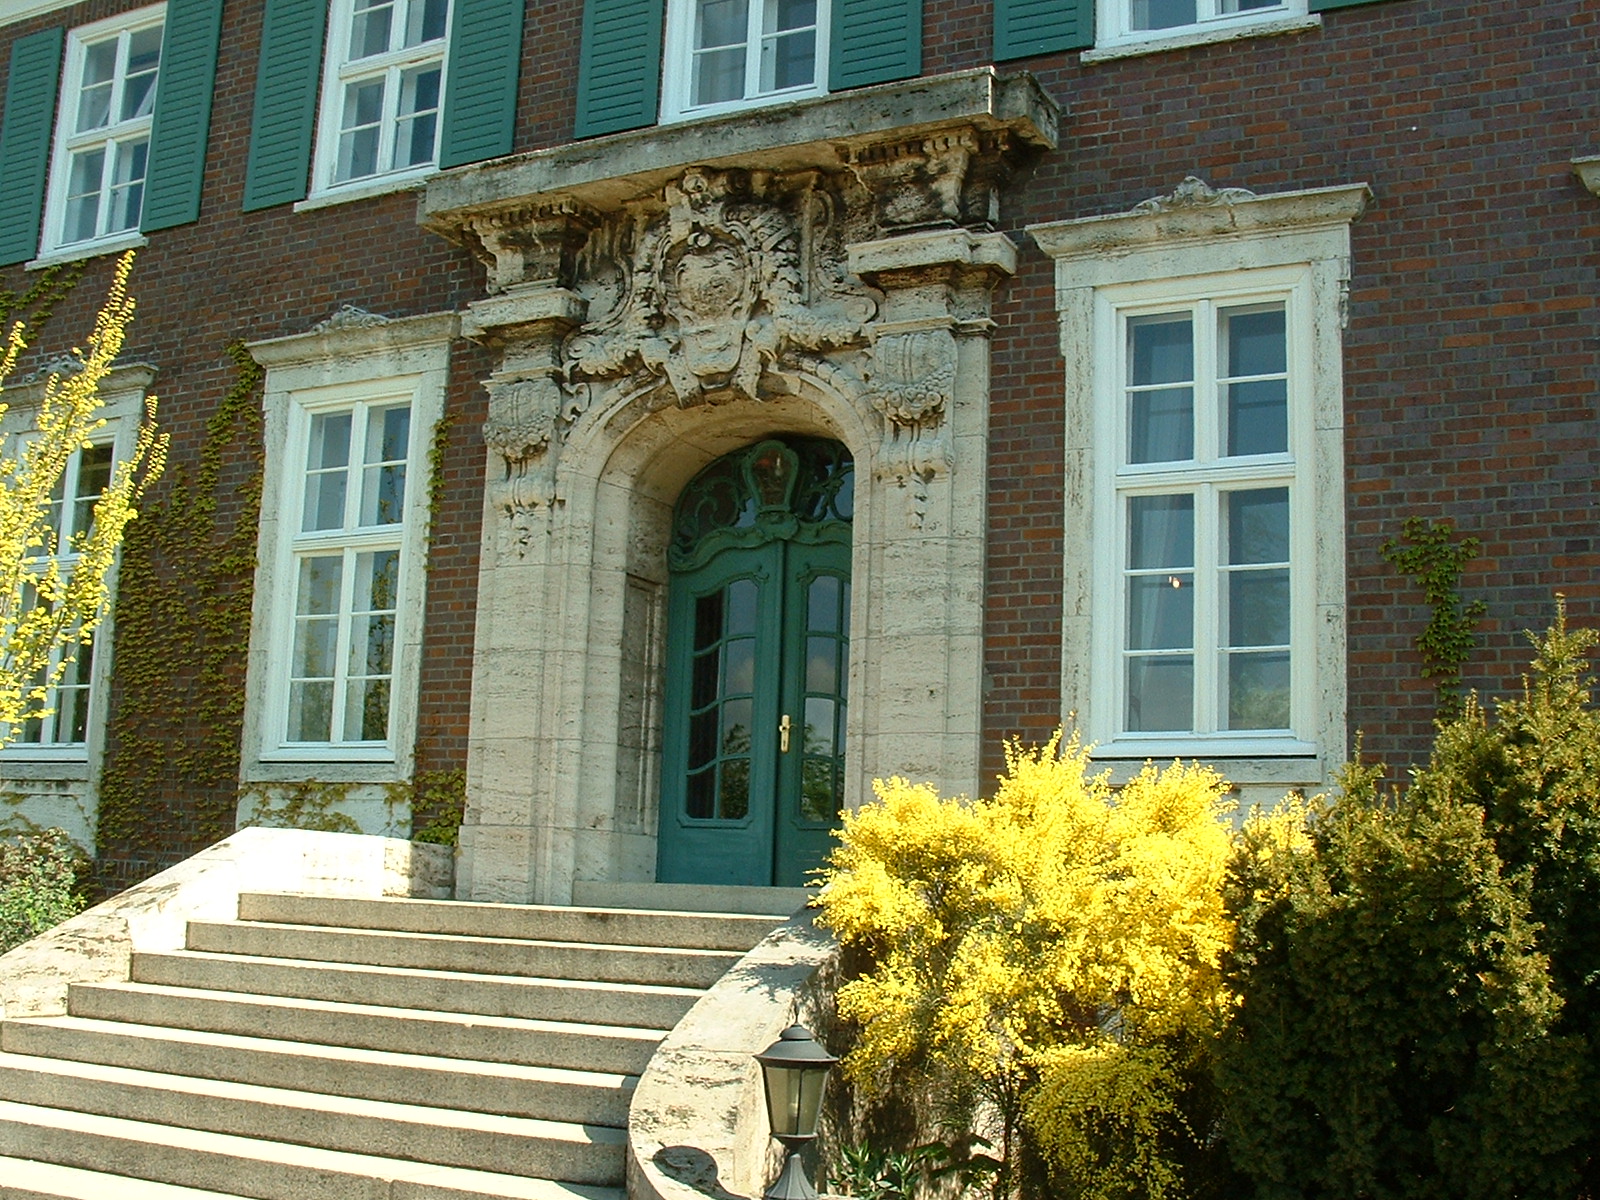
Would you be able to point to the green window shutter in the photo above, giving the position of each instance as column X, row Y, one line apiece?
column 480, row 97
column 619, row 66
column 1023, row 28
column 183, row 114
column 25, row 129
column 874, row 41
column 286, row 102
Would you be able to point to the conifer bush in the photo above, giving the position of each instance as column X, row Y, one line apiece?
column 1417, row 972
column 1050, row 955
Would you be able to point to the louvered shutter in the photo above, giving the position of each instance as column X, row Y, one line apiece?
column 874, row 41
column 287, row 76
column 619, row 66
column 183, row 114
column 1023, row 28
column 25, row 141
column 480, row 98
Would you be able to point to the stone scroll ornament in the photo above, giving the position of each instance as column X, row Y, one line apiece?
column 911, row 382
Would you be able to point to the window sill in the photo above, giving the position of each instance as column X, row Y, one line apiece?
column 81, row 250
column 323, row 770
column 738, row 106
column 1289, row 771
column 1158, row 43
column 66, row 765
column 411, row 181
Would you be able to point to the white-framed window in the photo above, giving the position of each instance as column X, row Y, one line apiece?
column 66, row 726
column 1206, row 534
column 383, row 86
column 723, row 55
column 336, row 631
column 65, row 744
column 1154, row 23
column 102, row 139
column 346, row 564
column 1204, row 557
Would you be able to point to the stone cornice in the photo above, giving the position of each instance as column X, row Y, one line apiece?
column 1588, row 170
column 1194, row 211
column 828, row 133
column 27, row 391
column 350, row 332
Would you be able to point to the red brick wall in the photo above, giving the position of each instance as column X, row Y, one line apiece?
column 1470, row 360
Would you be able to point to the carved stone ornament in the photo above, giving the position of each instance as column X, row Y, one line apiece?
column 349, row 316
column 911, row 382
column 60, row 365
column 730, row 278
column 1193, row 193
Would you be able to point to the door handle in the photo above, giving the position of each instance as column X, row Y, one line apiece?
column 783, row 734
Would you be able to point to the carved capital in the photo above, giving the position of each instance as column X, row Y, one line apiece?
column 912, row 376
column 535, row 243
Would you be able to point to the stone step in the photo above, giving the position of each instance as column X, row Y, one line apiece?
column 372, row 1027
column 612, row 926
column 21, row 1179
column 509, row 1145
column 778, row 902
column 591, row 1002
column 259, row 1170
column 674, row 967
column 585, row 1097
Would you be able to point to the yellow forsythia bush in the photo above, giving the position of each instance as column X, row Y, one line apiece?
column 1055, row 948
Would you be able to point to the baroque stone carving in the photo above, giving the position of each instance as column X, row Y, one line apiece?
column 349, row 316
column 1193, row 193
column 911, row 383
column 716, row 289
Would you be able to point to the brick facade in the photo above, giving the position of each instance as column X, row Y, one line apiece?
column 1471, row 364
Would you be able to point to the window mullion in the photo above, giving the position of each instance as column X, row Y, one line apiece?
column 1207, row 605
column 754, row 13
column 341, row 648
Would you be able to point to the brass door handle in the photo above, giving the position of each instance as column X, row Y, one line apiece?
column 783, row 734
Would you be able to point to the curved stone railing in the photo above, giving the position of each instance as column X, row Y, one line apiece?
column 698, row 1123
column 98, row 945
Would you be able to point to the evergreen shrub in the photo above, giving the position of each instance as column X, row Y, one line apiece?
column 40, row 881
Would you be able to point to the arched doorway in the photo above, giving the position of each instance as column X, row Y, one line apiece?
column 758, row 621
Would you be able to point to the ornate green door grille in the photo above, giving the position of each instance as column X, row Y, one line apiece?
column 757, row 655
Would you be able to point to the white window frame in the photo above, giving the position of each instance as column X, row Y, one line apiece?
column 123, row 393
column 1115, row 36
column 1206, row 476
column 338, row 71
column 677, row 74
column 66, row 143
column 1169, row 252
column 341, row 366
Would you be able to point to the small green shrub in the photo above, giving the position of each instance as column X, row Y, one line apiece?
column 40, row 884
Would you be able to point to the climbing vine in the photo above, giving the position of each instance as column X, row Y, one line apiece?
column 184, row 592
column 38, row 302
column 1433, row 555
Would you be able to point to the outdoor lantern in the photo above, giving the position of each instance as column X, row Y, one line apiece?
column 794, row 1069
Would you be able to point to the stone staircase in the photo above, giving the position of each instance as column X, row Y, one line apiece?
column 342, row 1049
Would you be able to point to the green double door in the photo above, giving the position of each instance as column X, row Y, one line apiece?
column 758, row 652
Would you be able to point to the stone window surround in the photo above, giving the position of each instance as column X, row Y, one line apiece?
column 1193, row 234
column 1271, row 23
column 123, row 393
column 362, row 356
column 677, row 72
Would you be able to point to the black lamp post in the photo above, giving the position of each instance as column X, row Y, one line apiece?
column 794, row 1069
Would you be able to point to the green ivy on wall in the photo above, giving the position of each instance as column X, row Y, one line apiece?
column 184, row 589
column 1436, row 559
column 35, row 306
